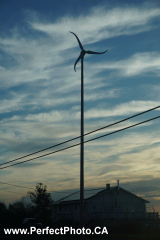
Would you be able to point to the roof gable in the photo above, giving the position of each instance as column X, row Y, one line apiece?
column 92, row 193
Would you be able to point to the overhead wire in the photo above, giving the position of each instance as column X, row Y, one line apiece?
column 78, row 144
column 27, row 187
column 112, row 124
column 15, row 185
column 23, row 193
column 84, row 142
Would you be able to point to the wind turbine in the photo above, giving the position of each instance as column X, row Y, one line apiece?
column 81, row 56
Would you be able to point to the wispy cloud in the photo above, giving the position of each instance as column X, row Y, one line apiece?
column 100, row 23
column 138, row 64
column 121, row 109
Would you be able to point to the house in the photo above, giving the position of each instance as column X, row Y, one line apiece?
column 105, row 203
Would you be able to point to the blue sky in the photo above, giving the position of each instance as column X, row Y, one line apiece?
column 40, row 93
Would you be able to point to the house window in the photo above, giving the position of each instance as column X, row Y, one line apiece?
column 132, row 208
column 126, row 208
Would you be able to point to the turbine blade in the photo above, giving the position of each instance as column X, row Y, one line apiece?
column 91, row 52
column 81, row 47
column 77, row 62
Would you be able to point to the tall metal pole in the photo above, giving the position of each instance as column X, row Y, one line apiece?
column 81, row 56
column 82, row 153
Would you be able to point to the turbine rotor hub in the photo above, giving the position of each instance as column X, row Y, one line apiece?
column 83, row 52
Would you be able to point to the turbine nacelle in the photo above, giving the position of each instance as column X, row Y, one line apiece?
column 83, row 52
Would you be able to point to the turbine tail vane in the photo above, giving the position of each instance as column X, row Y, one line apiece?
column 91, row 52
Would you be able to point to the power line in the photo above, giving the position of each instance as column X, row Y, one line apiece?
column 58, row 191
column 84, row 142
column 15, row 185
column 27, row 187
column 70, row 194
column 125, row 119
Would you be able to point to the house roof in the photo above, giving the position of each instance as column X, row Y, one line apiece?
column 91, row 193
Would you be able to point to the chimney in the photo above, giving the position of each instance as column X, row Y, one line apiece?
column 108, row 186
column 117, row 193
column 118, row 184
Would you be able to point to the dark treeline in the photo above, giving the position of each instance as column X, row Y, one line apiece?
column 16, row 212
